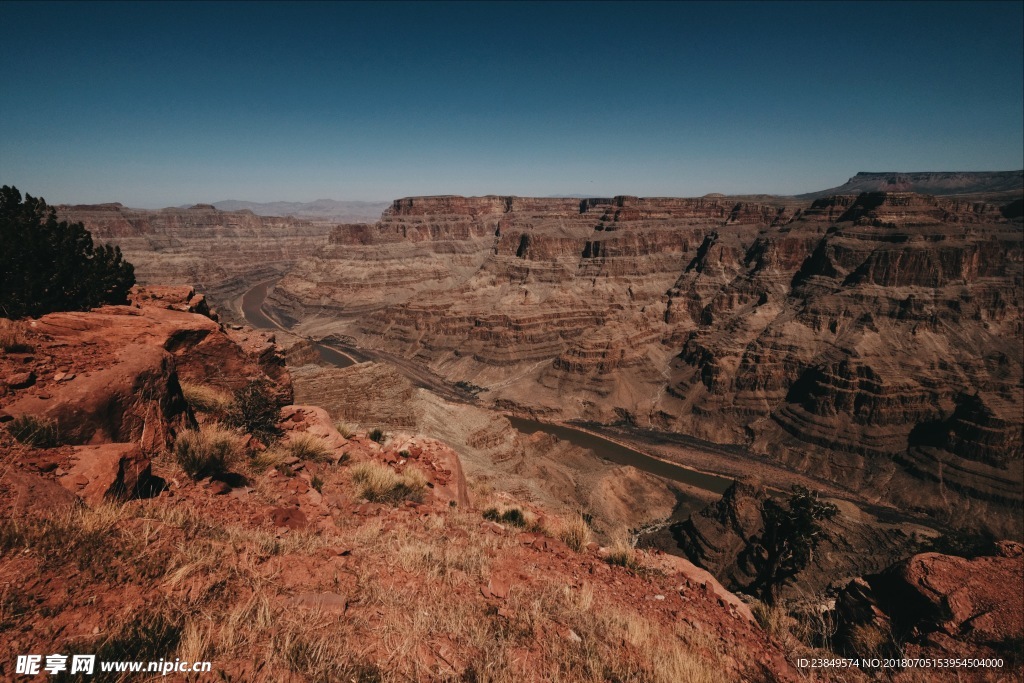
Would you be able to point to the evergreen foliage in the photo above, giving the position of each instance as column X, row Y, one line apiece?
column 255, row 409
column 48, row 265
column 791, row 531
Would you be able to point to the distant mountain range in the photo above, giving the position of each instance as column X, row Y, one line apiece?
column 928, row 182
column 321, row 209
column 994, row 184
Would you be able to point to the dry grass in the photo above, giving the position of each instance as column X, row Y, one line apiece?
column 207, row 399
column 210, row 451
column 622, row 552
column 379, row 483
column 346, row 429
column 576, row 533
column 12, row 337
column 773, row 619
column 35, row 431
column 231, row 600
column 272, row 457
column 305, row 446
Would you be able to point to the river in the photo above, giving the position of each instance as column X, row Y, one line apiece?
column 624, row 455
column 252, row 309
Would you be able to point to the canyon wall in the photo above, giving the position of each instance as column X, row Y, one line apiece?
column 222, row 253
column 872, row 339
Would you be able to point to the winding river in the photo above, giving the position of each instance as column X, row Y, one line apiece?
column 252, row 310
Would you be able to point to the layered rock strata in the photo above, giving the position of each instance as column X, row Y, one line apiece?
column 872, row 339
column 223, row 253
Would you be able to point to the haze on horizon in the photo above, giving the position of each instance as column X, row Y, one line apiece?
column 156, row 105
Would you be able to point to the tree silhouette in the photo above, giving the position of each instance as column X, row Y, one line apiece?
column 791, row 531
column 48, row 265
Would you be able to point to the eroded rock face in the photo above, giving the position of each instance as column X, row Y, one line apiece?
column 718, row 538
column 871, row 338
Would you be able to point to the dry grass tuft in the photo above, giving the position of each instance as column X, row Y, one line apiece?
column 306, row 446
column 576, row 533
column 12, row 337
column 34, row 431
column 346, row 429
column 210, row 451
column 207, row 399
column 622, row 552
column 774, row 619
column 379, row 483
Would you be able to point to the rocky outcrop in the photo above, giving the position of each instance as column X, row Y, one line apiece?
column 718, row 538
column 869, row 338
column 108, row 384
column 936, row 605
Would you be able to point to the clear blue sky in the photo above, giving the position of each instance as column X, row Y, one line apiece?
column 163, row 104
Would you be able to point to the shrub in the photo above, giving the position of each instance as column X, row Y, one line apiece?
column 576, row 533
column 206, row 399
column 256, row 411
column 48, row 265
column 12, row 337
column 34, row 431
column 791, row 531
column 208, row 452
column 317, row 483
column 377, row 435
column 379, row 483
column 511, row 516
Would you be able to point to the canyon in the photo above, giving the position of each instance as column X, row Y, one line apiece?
column 863, row 344
column 656, row 369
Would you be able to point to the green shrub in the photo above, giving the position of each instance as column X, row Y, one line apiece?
column 34, row 431
column 377, row 435
column 511, row 516
column 256, row 411
column 211, row 451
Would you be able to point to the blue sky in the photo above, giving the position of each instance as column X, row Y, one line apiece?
column 163, row 104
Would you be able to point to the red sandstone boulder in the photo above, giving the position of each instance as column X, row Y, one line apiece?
column 942, row 605
column 441, row 465
column 315, row 421
column 113, row 471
